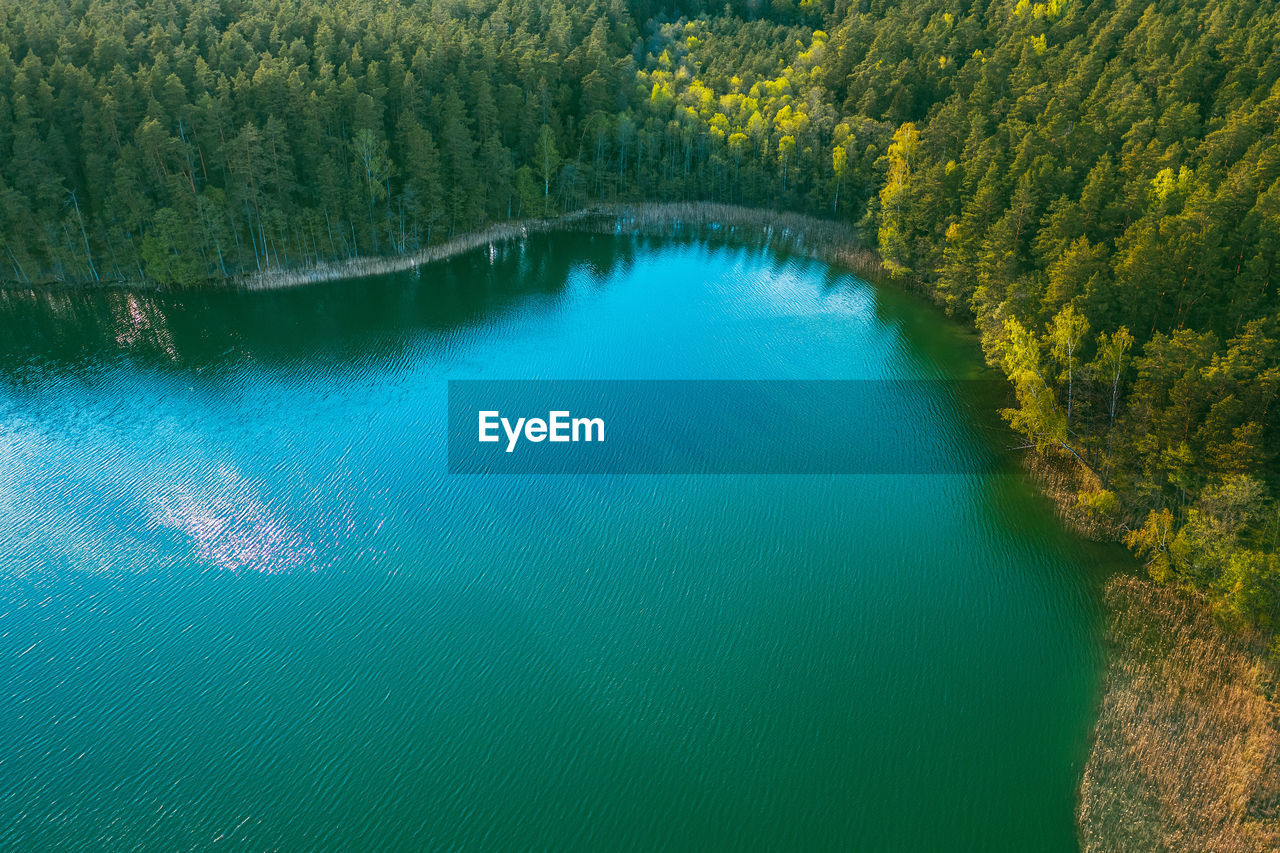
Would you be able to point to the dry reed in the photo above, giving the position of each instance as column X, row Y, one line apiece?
column 1186, row 752
column 833, row 242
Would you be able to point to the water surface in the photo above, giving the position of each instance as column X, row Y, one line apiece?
column 244, row 605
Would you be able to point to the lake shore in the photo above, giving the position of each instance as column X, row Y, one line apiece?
column 1185, row 753
column 1174, row 759
column 1186, row 750
column 834, row 242
column 837, row 243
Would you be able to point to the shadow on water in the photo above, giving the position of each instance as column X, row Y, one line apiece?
column 62, row 329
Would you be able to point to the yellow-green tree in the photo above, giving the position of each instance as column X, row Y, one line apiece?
column 839, row 165
column 894, row 249
column 1066, row 330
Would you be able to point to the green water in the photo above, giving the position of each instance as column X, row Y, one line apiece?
column 244, row 606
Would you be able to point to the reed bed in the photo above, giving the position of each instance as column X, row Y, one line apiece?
column 1186, row 751
column 833, row 242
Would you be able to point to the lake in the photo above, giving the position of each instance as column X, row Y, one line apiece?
column 245, row 605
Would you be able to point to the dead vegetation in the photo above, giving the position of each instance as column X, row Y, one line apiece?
column 1186, row 752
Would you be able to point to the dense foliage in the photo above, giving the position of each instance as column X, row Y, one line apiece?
column 1095, row 182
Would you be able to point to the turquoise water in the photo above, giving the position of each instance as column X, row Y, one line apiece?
column 243, row 604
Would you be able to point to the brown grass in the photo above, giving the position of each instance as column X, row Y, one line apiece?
column 834, row 242
column 1186, row 752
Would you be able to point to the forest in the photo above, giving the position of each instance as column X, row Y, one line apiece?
column 1095, row 184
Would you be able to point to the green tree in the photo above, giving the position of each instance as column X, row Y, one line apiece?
column 1066, row 331
column 839, row 166
column 547, row 157
column 375, row 169
column 894, row 230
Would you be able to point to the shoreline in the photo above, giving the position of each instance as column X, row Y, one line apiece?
column 834, row 242
column 1184, row 753
column 1162, row 740
column 837, row 243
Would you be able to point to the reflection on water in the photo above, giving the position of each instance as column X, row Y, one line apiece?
column 228, row 525
column 342, row 318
